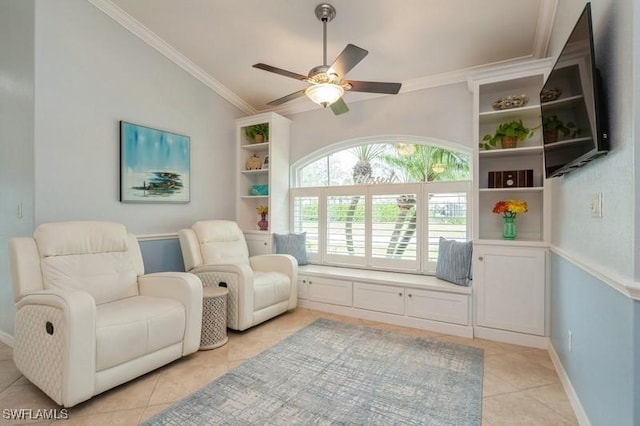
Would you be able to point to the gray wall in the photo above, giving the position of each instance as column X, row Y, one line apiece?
column 91, row 73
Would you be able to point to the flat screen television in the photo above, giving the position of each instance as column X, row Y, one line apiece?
column 574, row 121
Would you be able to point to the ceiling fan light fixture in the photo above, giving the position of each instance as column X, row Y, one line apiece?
column 324, row 93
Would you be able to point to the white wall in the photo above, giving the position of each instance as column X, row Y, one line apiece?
column 91, row 73
column 606, row 243
column 16, row 138
column 442, row 112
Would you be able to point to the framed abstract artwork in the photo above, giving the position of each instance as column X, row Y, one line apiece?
column 154, row 165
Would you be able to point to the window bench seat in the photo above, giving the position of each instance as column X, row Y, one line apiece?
column 411, row 300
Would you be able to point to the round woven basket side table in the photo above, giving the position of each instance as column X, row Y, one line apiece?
column 214, row 317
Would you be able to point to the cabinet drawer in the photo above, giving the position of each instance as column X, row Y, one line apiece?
column 379, row 298
column 438, row 306
column 332, row 291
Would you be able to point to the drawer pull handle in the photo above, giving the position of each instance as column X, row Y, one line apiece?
column 409, row 295
column 304, row 281
column 480, row 258
column 399, row 294
column 265, row 243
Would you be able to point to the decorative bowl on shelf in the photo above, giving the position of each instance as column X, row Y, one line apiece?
column 548, row 95
column 259, row 190
column 511, row 101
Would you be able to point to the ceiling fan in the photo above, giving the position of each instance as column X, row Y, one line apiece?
column 328, row 82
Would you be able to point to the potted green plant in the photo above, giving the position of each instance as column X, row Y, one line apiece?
column 552, row 126
column 258, row 132
column 508, row 134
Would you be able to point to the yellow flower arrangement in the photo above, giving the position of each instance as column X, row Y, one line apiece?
column 262, row 210
column 510, row 208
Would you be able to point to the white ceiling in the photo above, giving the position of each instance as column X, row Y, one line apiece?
column 409, row 41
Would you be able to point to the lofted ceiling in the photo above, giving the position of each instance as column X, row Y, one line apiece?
column 413, row 42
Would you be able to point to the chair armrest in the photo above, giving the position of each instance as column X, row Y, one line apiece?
column 244, row 271
column 185, row 288
column 24, row 264
column 59, row 358
column 282, row 263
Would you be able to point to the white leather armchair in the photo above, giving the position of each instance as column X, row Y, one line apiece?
column 260, row 287
column 87, row 318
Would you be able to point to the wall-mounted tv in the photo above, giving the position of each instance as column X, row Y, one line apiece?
column 574, row 120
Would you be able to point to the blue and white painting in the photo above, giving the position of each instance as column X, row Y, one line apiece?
column 154, row 165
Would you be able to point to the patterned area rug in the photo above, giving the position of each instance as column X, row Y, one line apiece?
column 336, row 373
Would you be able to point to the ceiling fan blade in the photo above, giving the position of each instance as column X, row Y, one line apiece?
column 287, row 98
column 280, row 71
column 339, row 107
column 375, row 87
column 347, row 59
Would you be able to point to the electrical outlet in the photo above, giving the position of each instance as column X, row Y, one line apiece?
column 570, row 340
column 596, row 205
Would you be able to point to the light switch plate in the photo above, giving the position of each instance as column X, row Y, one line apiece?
column 596, row 205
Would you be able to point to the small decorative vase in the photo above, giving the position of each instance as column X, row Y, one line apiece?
column 509, row 228
column 263, row 223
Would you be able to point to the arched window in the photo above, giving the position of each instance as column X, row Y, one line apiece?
column 382, row 203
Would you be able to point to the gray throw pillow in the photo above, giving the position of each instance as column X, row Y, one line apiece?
column 293, row 244
column 454, row 261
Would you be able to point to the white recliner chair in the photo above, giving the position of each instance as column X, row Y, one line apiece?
column 260, row 287
column 87, row 318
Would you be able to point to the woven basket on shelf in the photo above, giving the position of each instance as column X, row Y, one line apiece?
column 509, row 141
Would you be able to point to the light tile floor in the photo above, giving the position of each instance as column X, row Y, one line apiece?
column 521, row 386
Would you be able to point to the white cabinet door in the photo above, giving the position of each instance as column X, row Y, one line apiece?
column 303, row 287
column 376, row 297
column 325, row 290
column 510, row 286
column 258, row 243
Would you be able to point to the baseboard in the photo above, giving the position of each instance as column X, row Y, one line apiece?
column 504, row 336
column 6, row 338
column 583, row 420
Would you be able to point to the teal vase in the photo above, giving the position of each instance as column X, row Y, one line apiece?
column 509, row 228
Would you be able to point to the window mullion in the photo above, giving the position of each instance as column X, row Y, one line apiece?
column 322, row 209
column 368, row 227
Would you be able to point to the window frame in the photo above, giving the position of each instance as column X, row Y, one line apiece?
column 421, row 265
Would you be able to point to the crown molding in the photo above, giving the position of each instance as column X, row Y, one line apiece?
column 544, row 27
column 152, row 39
